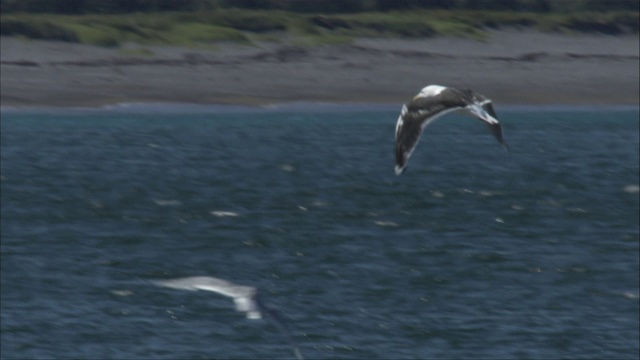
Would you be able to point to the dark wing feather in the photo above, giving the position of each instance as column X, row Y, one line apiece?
column 419, row 111
column 407, row 138
column 496, row 129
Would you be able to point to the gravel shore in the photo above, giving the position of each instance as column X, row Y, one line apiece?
column 511, row 67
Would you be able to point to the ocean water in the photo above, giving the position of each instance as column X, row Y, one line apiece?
column 473, row 253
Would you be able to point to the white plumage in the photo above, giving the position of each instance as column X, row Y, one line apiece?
column 432, row 102
column 246, row 300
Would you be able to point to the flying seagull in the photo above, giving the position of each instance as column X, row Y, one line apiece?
column 432, row 102
column 246, row 299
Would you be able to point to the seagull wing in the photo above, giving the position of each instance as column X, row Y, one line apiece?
column 482, row 108
column 431, row 103
column 208, row 283
column 243, row 296
column 246, row 299
column 414, row 118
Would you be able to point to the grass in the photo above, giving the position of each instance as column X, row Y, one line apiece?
column 95, row 34
column 136, row 52
column 204, row 29
column 194, row 33
column 35, row 27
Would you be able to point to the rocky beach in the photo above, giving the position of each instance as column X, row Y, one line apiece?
column 512, row 67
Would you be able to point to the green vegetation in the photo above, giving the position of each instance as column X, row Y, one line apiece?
column 205, row 22
column 309, row 6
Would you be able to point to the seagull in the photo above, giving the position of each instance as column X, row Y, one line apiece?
column 246, row 299
column 431, row 103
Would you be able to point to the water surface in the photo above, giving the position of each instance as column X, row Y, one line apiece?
column 474, row 252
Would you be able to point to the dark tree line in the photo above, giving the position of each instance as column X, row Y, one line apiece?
column 310, row 6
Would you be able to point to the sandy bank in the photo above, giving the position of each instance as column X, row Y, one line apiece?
column 513, row 67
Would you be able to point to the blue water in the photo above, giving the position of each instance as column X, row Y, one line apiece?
column 473, row 252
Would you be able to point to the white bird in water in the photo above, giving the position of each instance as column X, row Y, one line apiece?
column 245, row 297
column 432, row 102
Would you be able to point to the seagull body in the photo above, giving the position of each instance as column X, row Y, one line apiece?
column 431, row 103
column 246, row 300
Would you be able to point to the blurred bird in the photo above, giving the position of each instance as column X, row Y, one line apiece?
column 246, row 299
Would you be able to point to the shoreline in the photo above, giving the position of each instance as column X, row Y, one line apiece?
column 297, row 106
column 512, row 68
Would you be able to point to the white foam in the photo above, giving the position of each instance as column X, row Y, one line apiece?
column 437, row 194
column 287, row 167
column 486, row 193
column 385, row 223
column 122, row 292
column 167, row 202
column 224, row 213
